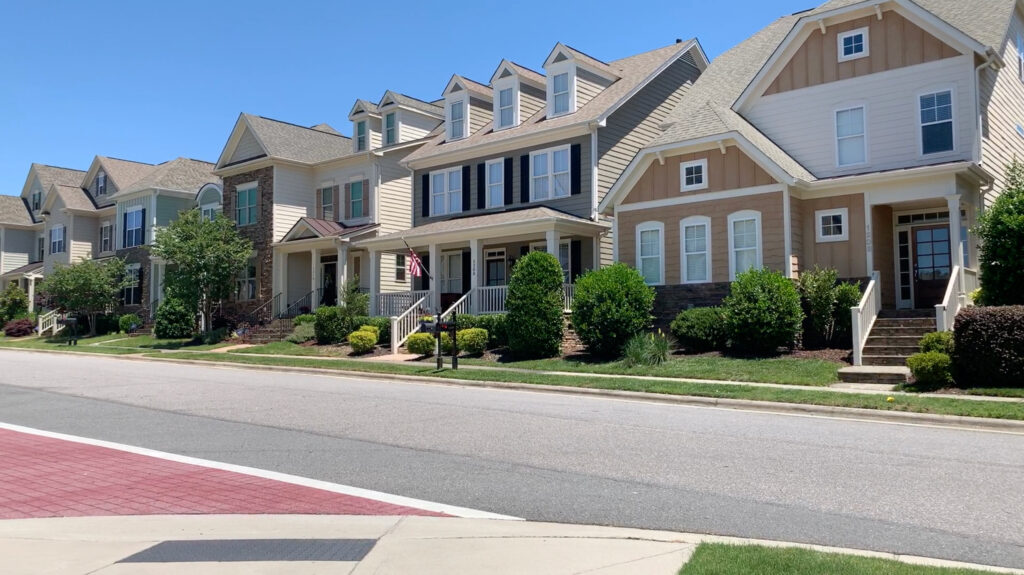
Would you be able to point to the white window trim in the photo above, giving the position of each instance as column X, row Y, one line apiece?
column 320, row 191
column 446, row 192
column 133, row 270
column 446, row 272
column 864, row 132
column 214, row 208
column 63, row 239
column 106, row 226
column 843, row 213
column 660, row 228
column 142, row 226
column 366, row 135
column 683, row 224
column 738, row 216
column 36, row 201
column 500, row 162
column 920, row 125
column 495, row 255
column 703, row 163
column 366, row 193
column 568, row 67
column 844, row 35
column 499, row 86
column 384, row 128
column 551, row 172
column 449, row 101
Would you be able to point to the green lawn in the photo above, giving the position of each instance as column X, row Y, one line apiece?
column 288, row 348
column 151, row 342
column 777, row 370
column 59, row 343
column 909, row 403
column 722, row 559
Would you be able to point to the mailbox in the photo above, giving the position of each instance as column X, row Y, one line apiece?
column 71, row 323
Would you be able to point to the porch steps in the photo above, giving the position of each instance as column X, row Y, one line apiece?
column 274, row 331
column 894, row 337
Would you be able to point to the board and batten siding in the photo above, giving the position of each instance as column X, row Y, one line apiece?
column 730, row 171
column 588, row 86
column 1002, row 93
column 849, row 257
column 144, row 202
column 248, row 147
column 294, row 198
column 19, row 248
column 578, row 205
column 635, row 124
column 168, row 209
column 413, row 126
column 803, row 123
column 893, row 42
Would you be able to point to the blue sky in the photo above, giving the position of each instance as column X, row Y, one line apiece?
column 151, row 81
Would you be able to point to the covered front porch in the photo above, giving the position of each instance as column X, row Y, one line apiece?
column 27, row 278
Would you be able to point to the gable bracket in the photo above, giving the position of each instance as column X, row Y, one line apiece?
column 878, row 11
column 721, row 146
column 821, row 25
column 661, row 157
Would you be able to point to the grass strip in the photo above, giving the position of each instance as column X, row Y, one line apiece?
column 60, row 343
column 725, row 559
column 913, row 404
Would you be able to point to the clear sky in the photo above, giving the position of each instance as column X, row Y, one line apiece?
column 151, row 81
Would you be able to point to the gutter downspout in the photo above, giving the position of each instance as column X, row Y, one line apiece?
column 992, row 61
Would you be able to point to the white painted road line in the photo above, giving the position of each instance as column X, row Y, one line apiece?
column 452, row 510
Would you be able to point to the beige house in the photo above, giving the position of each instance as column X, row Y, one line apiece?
column 861, row 135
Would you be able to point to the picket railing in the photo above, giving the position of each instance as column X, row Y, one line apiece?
column 568, row 292
column 50, row 322
column 864, row 315
column 970, row 284
column 404, row 325
column 490, row 299
column 461, row 305
column 395, row 303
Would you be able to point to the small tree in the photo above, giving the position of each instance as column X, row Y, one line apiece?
column 355, row 302
column 13, row 302
column 609, row 307
column 204, row 257
column 827, row 304
column 535, row 307
column 88, row 287
column 1001, row 229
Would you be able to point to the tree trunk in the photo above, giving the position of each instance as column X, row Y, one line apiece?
column 92, row 324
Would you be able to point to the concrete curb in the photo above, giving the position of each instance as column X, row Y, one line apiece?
column 901, row 417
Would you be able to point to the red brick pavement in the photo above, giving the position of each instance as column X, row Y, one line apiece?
column 46, row 477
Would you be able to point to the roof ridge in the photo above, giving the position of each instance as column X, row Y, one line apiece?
column 57, row 167
column 299, row 126
column 129, row 161
column 574, row 49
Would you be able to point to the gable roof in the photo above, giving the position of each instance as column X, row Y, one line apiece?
column 50, row 175
column 586, row 60
column 14, row 211
column 123, row 172
column 181, row 174
column 474, row 88
column 73, row 198
column 324, row 228
column 525, row 74
column 326, row 128
column 297, row 143
column 363, row 106
column 634, row 72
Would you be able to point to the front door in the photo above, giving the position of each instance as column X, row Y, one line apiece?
column 329, row 284
column 932, row 265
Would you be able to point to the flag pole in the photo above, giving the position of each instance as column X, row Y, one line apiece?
column 422, row 268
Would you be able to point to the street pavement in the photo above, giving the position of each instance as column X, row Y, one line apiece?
column 905, row 489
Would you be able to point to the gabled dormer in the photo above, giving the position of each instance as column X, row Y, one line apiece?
column 467, row 107
column 404, row 118
column 40, row 178
column 366, row 126
column 573, row 79
column 518, row 93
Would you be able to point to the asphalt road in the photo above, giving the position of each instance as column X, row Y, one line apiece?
column 929, row 491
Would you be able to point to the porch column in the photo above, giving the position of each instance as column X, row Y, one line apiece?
column 435, row 275
column 552, row 242
column 957, row 255
column 315, row 278
column 597, row 252
column 31, row 294
column 474, row 273
column 374, row 280
column 342, row 270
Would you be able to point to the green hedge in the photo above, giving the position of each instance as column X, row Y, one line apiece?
column 472, row 341
column 420, row 344
column 304, row 319
column 497, row 335
column 701, row 329
column 535, row 307
column 763, row 312
column 931, row 369
column 940, row 341
column 129, row 322
column 610, row 306
column 383, row 325
column 362, row 341
column 989, row 347
column 330, row 325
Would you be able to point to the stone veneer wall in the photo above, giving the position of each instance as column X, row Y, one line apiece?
column 261, row 234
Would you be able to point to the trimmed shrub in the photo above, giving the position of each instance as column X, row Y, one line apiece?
column 493, row 323
column 174, row 320
column 330, row 325
column 535, row 307
column 13, row 303
column 646, row 349
column 989, row 350
column 940, row 341
column 610, row 306
column 763, row 312
column 304, row 319
column 826, row 305
column 420, row 344
column 372, row 329
column 1001, row 235
column 472, row 341
column 931, row 369
column 701, row 329
column 446, row 343
column 362, row 341
column 128, row 323
column 19, row 328
column 302, row 333
column 382, row 324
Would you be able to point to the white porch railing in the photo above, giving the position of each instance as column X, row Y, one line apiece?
column 568, row 292
column 404, row 325
column 952, row 301
column 490, row 299
column 50, row 321
column 970, row 284
column 461, row 305
column 864, row 315
column 396, row 303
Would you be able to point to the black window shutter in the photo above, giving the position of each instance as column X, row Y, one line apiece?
column 467, row 194
column 467, row 270
column 523, row 250
column 574, row 170
column 481, row 186
column 137, row 292
column 510, row 193
column 142, row 229
column 524, row 178
column 124, row 230
column 425, row 279
column 575, row 260
column 425, row 197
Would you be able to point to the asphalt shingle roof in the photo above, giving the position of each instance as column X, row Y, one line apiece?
column 124, row 173
column 298, row 143
column 14, row 211
column 49, row 175
column 32, row 267
column 487, row 220
column 416, row 104
column 182, row 174
column 74, row 197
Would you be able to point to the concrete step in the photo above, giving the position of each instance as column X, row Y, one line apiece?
column 893, row 375
column 885, row 360
column 907, row 313
column 900, row 350
column 928, row 323
column 885, row 331
column 893, row 340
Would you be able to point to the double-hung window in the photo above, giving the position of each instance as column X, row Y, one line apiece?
column 446, row 191
column 851, row 145
column 695, row 232
column 133, row 226
column 495, row 183
column 357, row 201
column 936, row 122
column 400, row 268
column 560, row 94
column 457, row 120
column 650, row 252
column 57, row 239
column 245, row 283
column 693, row 175
column 361, row 136
column 549, row 174
column 390, row 129
column 853, row 44
column 327, row 203
column 106, row 238
column 744, row 242
column 506, row 107
column 132, row 292
column 245, row 205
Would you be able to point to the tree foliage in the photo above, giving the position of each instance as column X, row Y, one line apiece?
column 203, row 259
column 87, row 287
column 1001, row 229
column 13, row 303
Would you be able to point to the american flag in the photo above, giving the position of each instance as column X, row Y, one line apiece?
column 415, row 265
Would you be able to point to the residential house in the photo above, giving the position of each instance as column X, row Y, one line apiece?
column 521, row 164
column 865, row 136
column 305, row 195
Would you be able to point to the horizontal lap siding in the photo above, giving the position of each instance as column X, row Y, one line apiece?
column 248, row 147
column 531, row 101
column 169, row 209
column 294, row 198
column 57, row 218
column 588, row 85
column 395, row 195
column 341, row 177
column 480, row 115
column 83, row 237
column 772, row 232
column 414, row 126
column 1002, row 93
column 19, row 246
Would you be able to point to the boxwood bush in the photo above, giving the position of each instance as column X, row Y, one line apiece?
column 304, row 319
column 940, row 341
column 701, row 329
column 610, row 306
column 493, row 323
column 932, row 369
column 362, row 341
column 989, row 347
column 420, row 344
column 372, row 329
column 129, row 322
column 763, row 312
column 383, row 325
column 330, row 325
column 535, row 307
column 472, row 341
column 174, row 320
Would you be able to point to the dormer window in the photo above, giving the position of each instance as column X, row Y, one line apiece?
column 560, row 93
column 101, row 184
column 390, row 129
column 457, row 120
column 853, row 44
column 37, row 200
column 561, row 88
column 361, row 136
